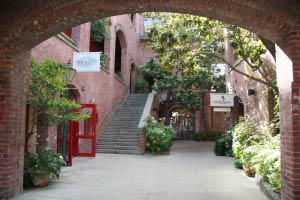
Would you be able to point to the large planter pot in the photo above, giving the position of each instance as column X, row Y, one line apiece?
column 220, row 148
column 41, row 181
column 248, row 171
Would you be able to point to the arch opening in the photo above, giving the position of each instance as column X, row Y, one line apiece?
column 260, row 19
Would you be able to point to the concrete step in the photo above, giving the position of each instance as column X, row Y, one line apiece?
column 127, row 121
column 118, row 147
column 135, row 117
column 113, row 151
column 118, row 140
column 118, row 143
column 121, row 128
column 111, row 137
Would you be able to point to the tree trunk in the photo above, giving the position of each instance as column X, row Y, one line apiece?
column 203, row 112
column 42, row 133
column 168, row 119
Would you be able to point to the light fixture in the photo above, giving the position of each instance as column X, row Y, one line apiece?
column 212, row 89
column 71, row 72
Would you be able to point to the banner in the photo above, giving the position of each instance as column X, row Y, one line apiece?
column 86, row 61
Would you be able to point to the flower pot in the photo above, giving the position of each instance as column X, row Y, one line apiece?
column 248, row 171
column 41, row 181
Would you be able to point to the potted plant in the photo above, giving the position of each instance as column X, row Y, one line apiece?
column 41, row 167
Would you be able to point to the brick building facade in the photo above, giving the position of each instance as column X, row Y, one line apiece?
column 24, row 24
column 254, row 98
column 106, row 89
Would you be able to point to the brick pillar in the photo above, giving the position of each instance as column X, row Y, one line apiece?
column 14, row 75
column 288, row 73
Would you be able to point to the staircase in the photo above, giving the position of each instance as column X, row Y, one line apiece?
column 121, row 133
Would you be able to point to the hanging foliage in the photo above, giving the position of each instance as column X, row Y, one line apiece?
column 99, row 29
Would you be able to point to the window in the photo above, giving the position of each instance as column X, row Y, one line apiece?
column 131, row 17
column 118, row 56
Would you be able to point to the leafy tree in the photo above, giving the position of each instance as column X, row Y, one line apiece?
column 184, row 73
column 46, row 98
column 249, row 49
column 190, row 45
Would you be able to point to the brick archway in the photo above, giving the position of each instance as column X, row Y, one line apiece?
column 26, row 23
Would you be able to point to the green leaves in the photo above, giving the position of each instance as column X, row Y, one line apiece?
column 44, row 163
column 99, row 29
column 246, row 47
column 47, row 88
column 258, row 150
column 158, row 137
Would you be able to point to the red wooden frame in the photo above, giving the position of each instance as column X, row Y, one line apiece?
column 88, row 135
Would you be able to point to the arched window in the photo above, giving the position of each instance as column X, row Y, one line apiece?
column 118, row 56
column 120, row 53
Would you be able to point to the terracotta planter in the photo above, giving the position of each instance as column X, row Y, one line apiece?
column 248, row 171
column 41, row 181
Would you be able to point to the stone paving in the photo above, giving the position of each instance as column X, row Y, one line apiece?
column 190, row 172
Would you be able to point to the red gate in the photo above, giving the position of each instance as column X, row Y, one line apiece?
column 84, row 133
column 78, row 138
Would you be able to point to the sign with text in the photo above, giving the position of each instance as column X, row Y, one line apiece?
column 222, row 109
column 86, row 61
column 221, row 100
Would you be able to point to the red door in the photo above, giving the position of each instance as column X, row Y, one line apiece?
column 84, row 133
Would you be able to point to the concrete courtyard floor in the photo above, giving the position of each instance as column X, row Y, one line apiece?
column 190, row 172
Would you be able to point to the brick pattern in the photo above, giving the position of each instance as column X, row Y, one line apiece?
column 288, row 70
column 14, row 75
column 142, row 141
column 45, row 19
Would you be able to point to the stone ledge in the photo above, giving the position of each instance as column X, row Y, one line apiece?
column 266, row 189
column 105, row 69
column 71, row 43
column 119, row 78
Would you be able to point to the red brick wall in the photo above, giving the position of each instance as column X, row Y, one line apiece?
column 261, row 104
column 52, row 48
column 288, row 70
column 101, row 88
column 81, row 34
column 215, row 120
column 14, row 78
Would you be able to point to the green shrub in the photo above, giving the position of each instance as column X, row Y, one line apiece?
column 158, row 137
column 242, row 134
column 238, row 164
column 227, row 140
column 206, row 135
column 141, row 86
column 266, row 161
column 255, row 148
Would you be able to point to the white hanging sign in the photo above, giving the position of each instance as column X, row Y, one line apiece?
column 86, row 61
column 221, row 100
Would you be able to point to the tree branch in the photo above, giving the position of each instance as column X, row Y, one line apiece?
column 233, row 68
